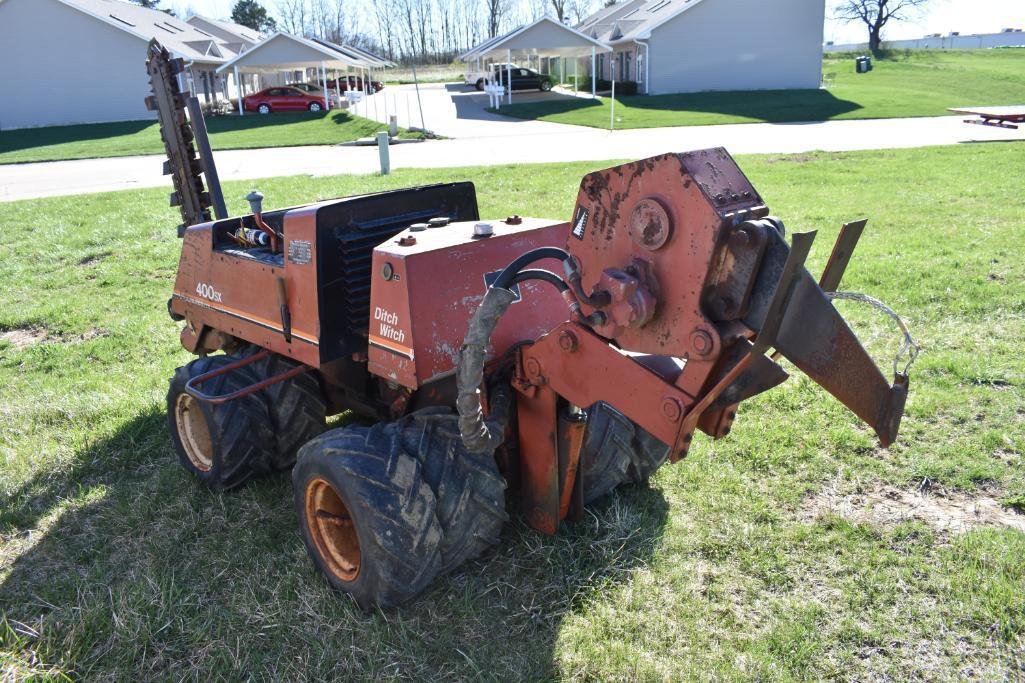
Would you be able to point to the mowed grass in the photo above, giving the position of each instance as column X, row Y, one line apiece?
column 905, row 83
column 130, row 138
column 115, row 565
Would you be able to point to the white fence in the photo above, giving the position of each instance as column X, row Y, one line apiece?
column 1012, row 38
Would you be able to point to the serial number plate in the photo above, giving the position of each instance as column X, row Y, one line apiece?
column 299, row 252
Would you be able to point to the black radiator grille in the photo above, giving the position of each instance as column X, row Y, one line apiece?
column 347, row 233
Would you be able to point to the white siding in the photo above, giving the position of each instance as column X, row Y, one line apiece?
column 739, row 45
column 60, row 66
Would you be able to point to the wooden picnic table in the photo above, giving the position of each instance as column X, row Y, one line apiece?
column 1001, row 117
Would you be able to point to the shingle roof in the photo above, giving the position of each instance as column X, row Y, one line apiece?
column 179, row 37
column 244, row 32
column 633, row 20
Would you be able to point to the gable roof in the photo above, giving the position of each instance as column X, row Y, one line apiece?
column 635, row 20
column 180, row 38
column 518, row 39
column 283, row 50
column 239, row 32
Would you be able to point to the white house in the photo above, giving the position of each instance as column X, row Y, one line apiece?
column 670, row 46
column 83, row 61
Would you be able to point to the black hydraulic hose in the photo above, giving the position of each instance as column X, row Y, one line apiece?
column 540, row 274
column 504, row 280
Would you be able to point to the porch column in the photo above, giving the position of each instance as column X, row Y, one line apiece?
column 508, row 74
column 594, row 75
column 238, row 88
column 323, row 84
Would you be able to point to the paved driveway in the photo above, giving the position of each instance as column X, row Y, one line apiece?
column 456, row 111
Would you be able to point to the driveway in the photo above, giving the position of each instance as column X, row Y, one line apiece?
column 456, row 111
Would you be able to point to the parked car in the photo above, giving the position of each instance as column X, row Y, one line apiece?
column 477, row 78
column 283, row 98
column 355, row 83
column 524, row 79
column 315, row 90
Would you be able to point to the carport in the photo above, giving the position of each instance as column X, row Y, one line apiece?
column 544, row 38
column 285, row 52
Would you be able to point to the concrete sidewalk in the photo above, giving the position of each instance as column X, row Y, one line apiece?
column 566, row 143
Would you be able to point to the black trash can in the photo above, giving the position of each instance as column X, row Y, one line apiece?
column 863, row 64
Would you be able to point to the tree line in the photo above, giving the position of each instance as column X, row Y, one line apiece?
column 408, row 31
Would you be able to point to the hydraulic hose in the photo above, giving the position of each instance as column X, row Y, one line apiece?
column 505, row 277
column 480, row 435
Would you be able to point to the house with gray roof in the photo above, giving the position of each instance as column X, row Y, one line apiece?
column 670, row 46
column 83, row 61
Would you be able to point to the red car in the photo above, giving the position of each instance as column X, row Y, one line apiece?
column 282, row 98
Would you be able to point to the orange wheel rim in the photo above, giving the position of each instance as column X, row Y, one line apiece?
column 332, row 529
column 194, row 432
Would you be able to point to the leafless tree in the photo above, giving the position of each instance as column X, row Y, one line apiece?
column 875, row 14
column 496, row 12
column 294, row 16
column 560, row 9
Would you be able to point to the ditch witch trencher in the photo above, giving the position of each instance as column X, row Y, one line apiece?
column 556, row 359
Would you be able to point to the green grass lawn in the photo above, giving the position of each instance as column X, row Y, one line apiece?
column 907, row 83
column 129, row 138
column 115, row 565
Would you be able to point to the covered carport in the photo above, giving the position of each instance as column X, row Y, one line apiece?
column 543, row 38
column 283, row 52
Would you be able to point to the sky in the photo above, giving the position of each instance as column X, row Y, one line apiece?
column 942, row 16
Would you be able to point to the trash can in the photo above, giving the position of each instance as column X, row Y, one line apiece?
column 863, row 64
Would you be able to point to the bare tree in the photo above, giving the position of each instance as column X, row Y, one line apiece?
column 560, row 10
column 294, row 16
column 496, row 11
column 875, row 14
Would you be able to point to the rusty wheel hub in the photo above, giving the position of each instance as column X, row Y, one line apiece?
column 194, row 432
column 332, row 529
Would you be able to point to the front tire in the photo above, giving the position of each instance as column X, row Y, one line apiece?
column 367, row 516
column 479, row 84
column 315, row 107
column 616, row 451
column 226, row 445
column 263, row 109
column 546, row 86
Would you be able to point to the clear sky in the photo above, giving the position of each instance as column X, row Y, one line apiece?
column 942, row 16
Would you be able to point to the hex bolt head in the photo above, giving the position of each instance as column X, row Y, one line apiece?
column 701, row 342
column 567, row 341
column 671, row 409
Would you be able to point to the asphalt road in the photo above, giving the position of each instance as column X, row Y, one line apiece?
column 480, row 138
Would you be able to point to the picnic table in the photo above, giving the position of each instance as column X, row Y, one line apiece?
column 1001, row 117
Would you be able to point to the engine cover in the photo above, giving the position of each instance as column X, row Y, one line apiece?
column 425, row 286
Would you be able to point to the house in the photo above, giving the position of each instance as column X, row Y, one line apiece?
column 83, row 61
column 670, row 46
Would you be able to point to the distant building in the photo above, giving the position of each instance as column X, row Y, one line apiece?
column 1009, row 37
column 670, row 46
column 83, row 61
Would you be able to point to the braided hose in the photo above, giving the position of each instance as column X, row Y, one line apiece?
column 480, row 434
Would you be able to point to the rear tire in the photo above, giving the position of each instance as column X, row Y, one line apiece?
column 468, row 486
column 546, row 86
column 226, row 445
column 367, row 516
column 315, row 108
column 479, row 84
column 616, row 451
column 263, row 109
column 297, row 407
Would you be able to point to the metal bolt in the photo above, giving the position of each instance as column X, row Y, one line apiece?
column 407, row 241
column 671, row 409
column 739, row 238
column 567, row 341
column 701, row 342
column 514, row 219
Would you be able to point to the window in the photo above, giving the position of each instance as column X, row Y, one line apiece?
column 275, row 92
column 123, row 21
column 523, row 73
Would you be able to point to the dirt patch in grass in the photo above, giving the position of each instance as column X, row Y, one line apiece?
column 887, row 506
column 23, row 337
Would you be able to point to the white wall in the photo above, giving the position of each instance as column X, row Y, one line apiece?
column 739, row 45
column 948, row 42
column 59, row 66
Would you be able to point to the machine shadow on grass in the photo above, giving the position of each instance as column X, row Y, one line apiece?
column 143, row 572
